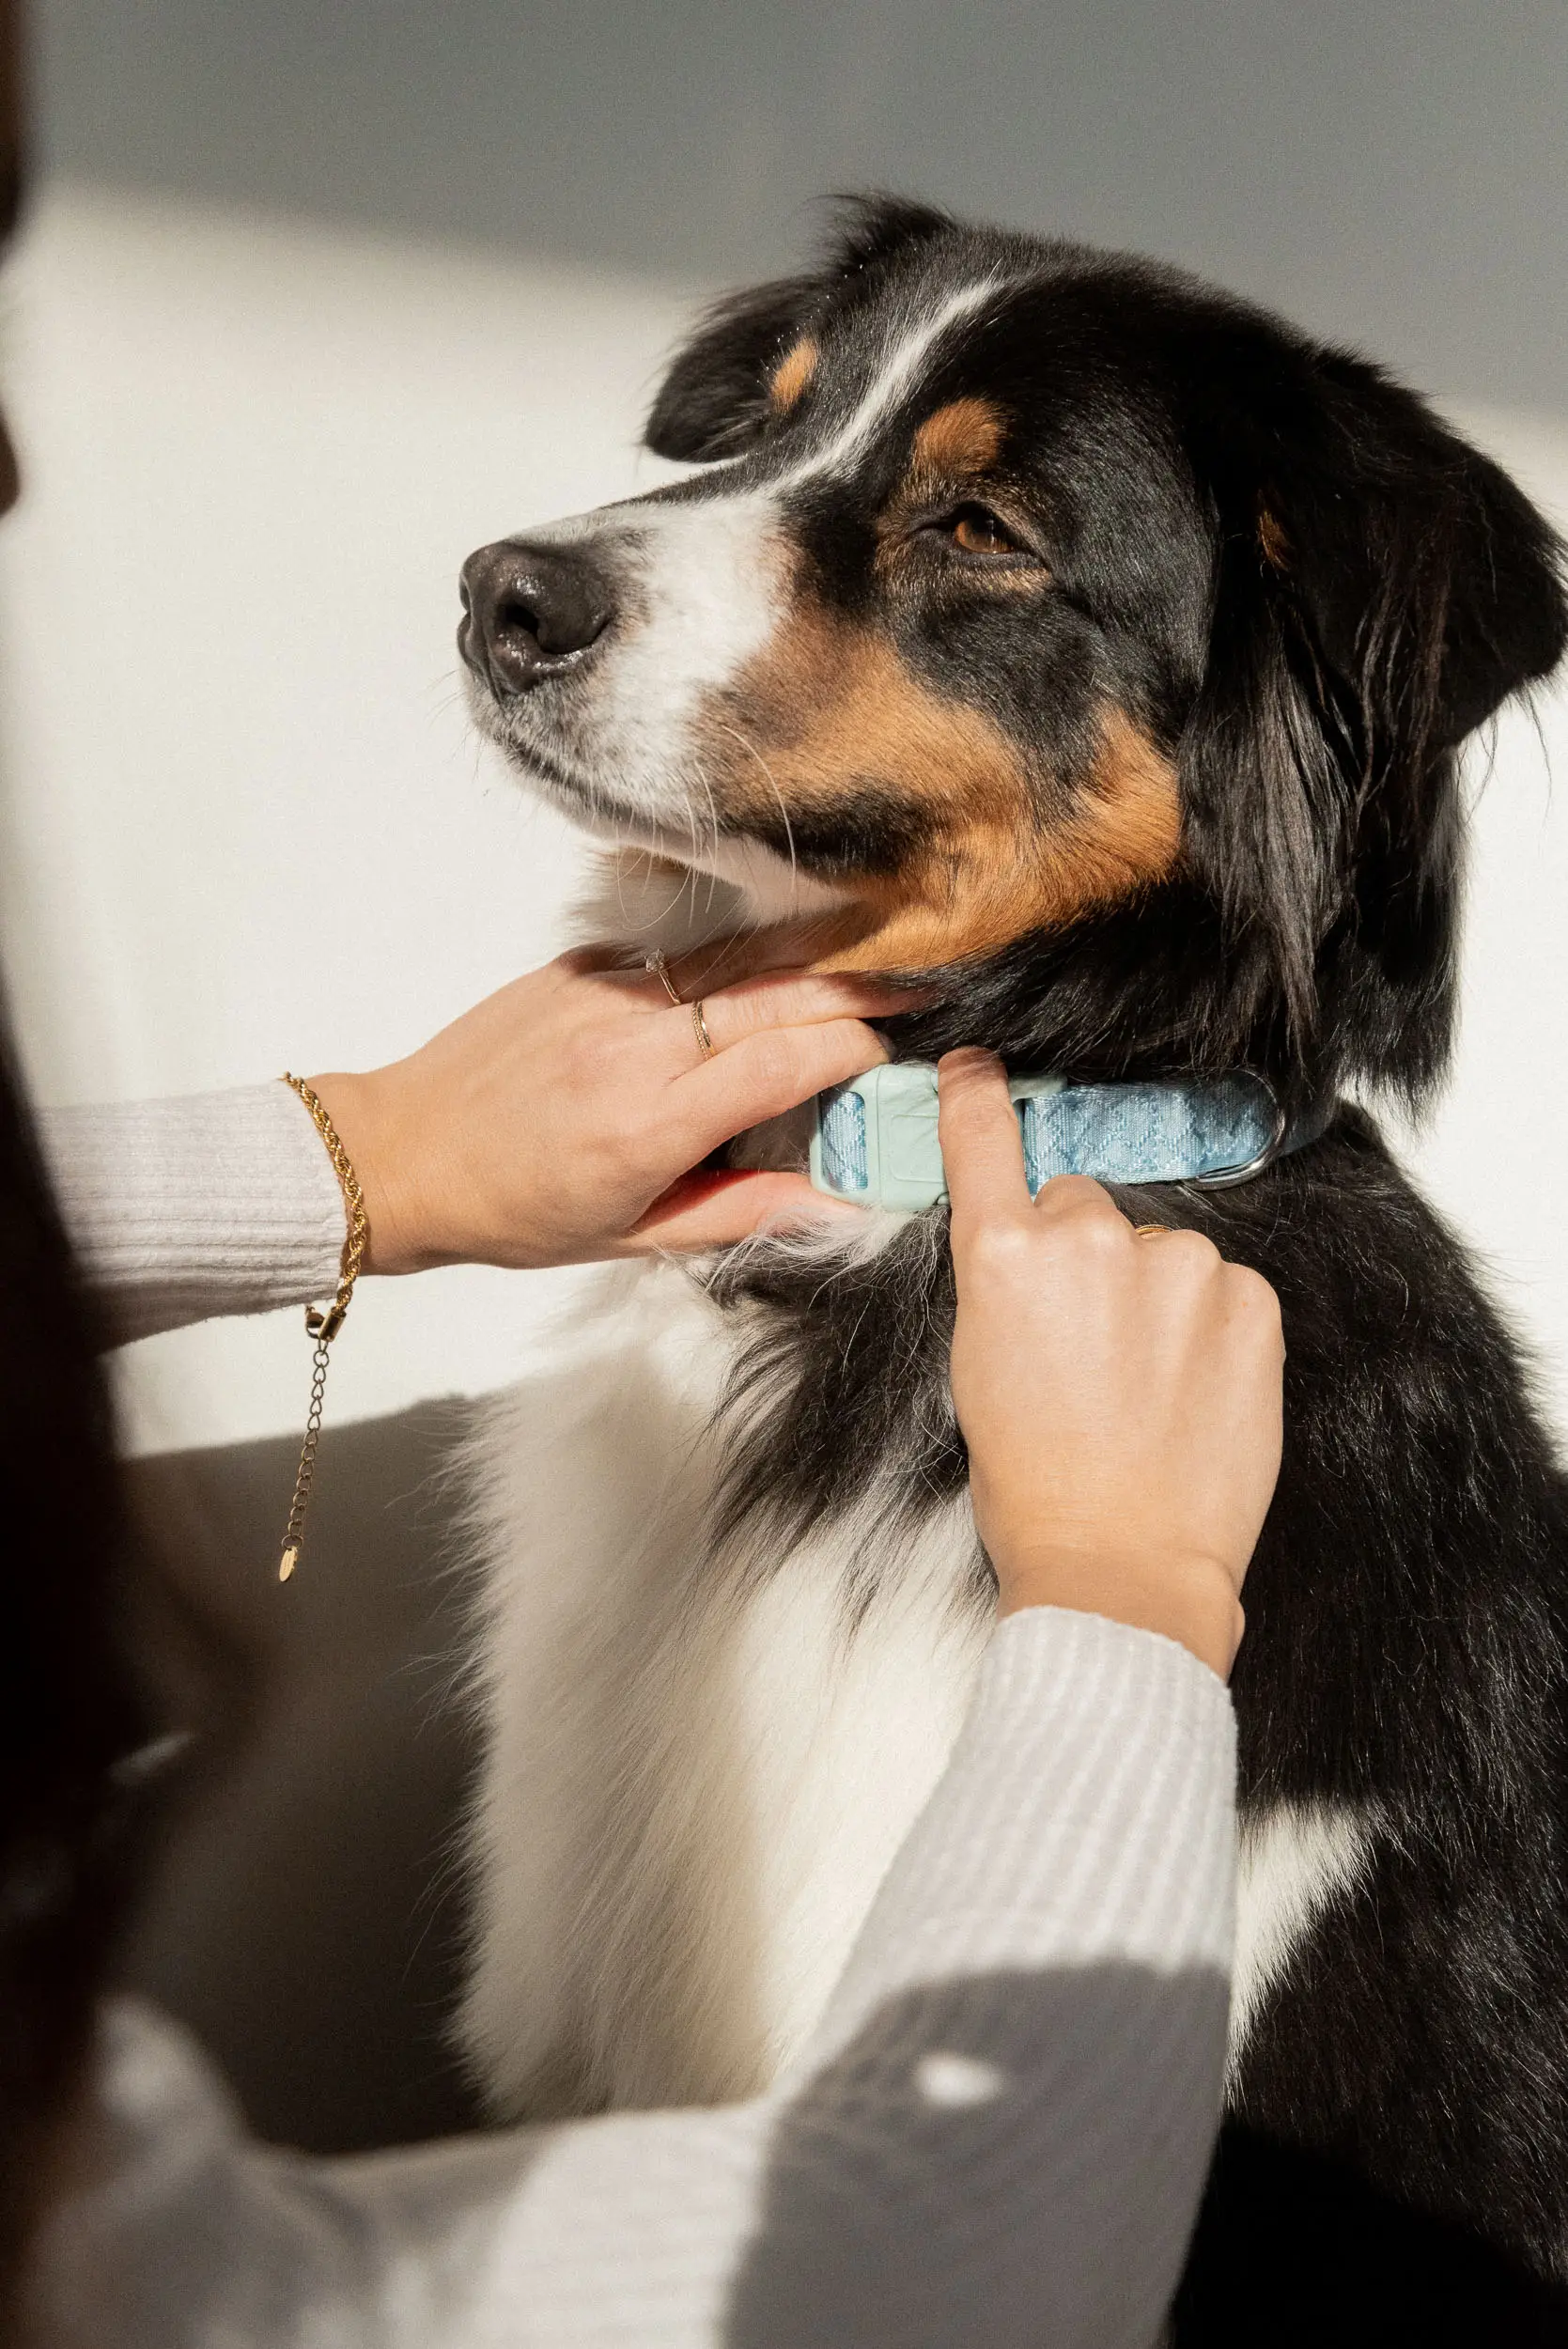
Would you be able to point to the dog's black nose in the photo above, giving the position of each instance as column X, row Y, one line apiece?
column 528, row 612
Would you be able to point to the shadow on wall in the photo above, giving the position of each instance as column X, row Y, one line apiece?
column 302, row 1914
column 1394, row 173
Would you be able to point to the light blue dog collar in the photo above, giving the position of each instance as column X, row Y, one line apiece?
column 875, row 1137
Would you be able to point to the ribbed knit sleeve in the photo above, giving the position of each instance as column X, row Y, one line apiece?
column 999, row 2134
column 181, row 1210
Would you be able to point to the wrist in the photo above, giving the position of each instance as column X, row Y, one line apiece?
column 358, row 1108
column 1190, row 1599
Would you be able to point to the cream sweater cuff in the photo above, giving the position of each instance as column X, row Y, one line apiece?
column 180, row 1210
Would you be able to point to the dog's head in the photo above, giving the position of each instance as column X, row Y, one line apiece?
column 1044, row 619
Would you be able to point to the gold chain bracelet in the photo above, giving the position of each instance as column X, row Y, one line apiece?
column 323, row 1326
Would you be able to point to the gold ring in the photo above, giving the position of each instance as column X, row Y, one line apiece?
column 657, row 964
column 1151, row 1231
column 700, row 1025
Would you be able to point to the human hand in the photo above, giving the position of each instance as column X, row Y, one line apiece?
column 559, row 1121
column 1121, row 1396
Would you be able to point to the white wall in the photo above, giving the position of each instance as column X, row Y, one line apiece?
column 245, row 823
column 248, row 826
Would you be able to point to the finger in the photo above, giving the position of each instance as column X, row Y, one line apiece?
column 710, row 1209
column 770, row 1071
column 1068, row 1197
column 611, row 978
column 650, row 979
column 981, row 1143
column 588, row 962
column 728, row 961
column 1257, row 1304
column 781, row 999
column 795, row 999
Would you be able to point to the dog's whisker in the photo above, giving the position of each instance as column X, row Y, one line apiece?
column 748, row 745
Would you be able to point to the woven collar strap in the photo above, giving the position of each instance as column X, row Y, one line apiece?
column 876, row 1138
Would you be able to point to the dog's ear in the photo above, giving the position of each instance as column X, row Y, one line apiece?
column 720, row 391
column 715, row 400
column 876, row 226
column 1429, row 578
column 1381, row 588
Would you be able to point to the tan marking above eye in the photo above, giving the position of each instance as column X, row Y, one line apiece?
column 830, row 708
column 793, row 373
column 964, row 437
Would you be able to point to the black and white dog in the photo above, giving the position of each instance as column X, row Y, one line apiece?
column 1097, row 650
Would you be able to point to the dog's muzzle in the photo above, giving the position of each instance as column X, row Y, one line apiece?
column 529, row 613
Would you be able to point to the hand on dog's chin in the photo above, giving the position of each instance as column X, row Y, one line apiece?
column 713, row 1208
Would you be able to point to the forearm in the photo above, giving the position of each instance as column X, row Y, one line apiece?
column 185, row 1209
column 1003, row 2128
column 1026, row 2057
column 1000, row 2133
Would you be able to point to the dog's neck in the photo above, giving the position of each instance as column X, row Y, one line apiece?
column 1066, row 1004
column 758, row 913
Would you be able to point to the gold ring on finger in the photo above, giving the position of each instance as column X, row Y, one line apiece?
column 1151, row 1231
column 657, row 964
column 705, row 1042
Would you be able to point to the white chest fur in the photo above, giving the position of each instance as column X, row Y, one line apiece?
column 696, row 1777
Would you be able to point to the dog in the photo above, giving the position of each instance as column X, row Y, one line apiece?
column 1096, row 650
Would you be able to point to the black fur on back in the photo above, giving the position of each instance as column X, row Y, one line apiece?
column 1372, row 589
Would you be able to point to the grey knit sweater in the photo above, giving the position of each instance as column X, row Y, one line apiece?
column 998, row 2134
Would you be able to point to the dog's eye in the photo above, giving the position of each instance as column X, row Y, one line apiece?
column 977, row 531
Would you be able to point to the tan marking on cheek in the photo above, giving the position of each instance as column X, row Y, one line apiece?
column 830, row 708
column 1127, row 830
column 793, row 373
column 962, row 437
